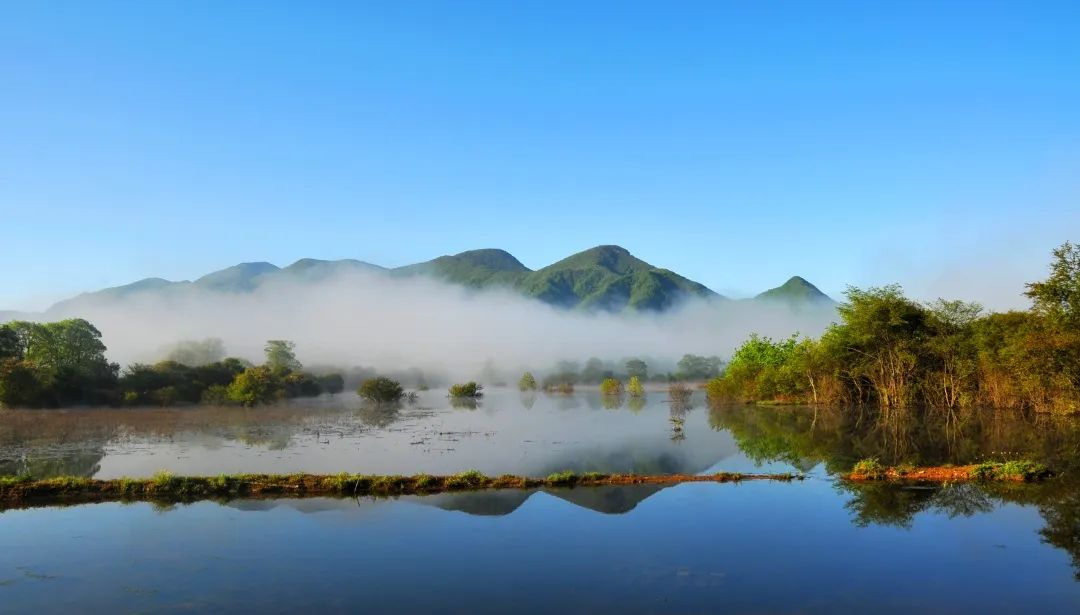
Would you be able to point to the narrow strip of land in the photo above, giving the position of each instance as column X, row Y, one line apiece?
column 1018, row 471
column 163, row 487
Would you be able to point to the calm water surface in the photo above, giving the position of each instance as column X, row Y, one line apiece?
column 804, row 547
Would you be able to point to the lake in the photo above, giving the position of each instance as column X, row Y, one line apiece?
column 817, row 545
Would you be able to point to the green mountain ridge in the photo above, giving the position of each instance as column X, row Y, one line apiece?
column 604, row 278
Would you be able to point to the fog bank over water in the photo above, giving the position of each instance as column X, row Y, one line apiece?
column 369, row 319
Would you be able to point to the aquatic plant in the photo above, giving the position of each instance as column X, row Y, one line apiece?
column 468, row 389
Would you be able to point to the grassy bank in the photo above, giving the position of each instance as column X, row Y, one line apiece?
column 165, row 487
column 1017, row 471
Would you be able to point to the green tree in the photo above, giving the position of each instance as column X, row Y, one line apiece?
column 694, row 367
column 635, row 388
column 332, row 383
column 19, row 384
column 611, row 386
column 527, row 382
column 636, row 368
column 1058, row 296
column 280, row 356
column 466, row 390
column 256, row 385
column 196, row 353
column 381, row 389
column 594, row 371
column 10, row 345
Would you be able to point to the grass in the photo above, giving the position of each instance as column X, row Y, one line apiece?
column 1016, row 470
column 167, row 487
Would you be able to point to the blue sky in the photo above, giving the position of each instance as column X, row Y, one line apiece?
column 932, row 144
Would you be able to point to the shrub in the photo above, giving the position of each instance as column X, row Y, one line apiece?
column 611, row 386
column 870, row 468
column 468, row 389
column 679, row 392
column 381, row 389
column 635, row 388
column 527, row 382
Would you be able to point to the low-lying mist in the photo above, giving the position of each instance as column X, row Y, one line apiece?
column 368, row 319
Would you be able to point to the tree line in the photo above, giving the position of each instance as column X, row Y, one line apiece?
column 63, row 363
column 892, row 351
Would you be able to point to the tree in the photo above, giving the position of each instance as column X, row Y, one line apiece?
column 196, row 353
column 636, row 368
column 527, row 382
column 332, row 383
column 694, row 367
column 1058, row 297
column 611, row 386
column 635, row 388
column 19, row 384
column 10, row 344
column 593, row 372
column 380, row 390
column 280, row 356
column 466, row 390
column 256, row 385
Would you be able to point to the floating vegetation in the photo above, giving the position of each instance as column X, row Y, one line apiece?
column 1018, row 471
column 166, row 487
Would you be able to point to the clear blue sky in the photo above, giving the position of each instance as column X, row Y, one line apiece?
column 934, row 144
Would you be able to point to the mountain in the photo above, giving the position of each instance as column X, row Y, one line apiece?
column 236, row 279
column 605, row 278
column 609, row 278
column 796, row 291
column 474, row 268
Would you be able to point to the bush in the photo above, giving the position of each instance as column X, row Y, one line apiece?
column 635, row 388
column 255, row 385
column 381, row 389
column 870, row 468
column 468, row 389
column 679, row 392
column 611, row 386
column 527, row 382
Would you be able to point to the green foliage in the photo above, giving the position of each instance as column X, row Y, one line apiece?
column 694, row 367
column 635, row 388
column 196, row 353
column 894, row 352
column 636, row 368
column 566, row 478
column 467, row 390
column 527, row 382
column 55, row 363
column 256, row 385
column 381, row 390
column 870, row 468
column 280, row 356
column 611, row 386
column 331, row 383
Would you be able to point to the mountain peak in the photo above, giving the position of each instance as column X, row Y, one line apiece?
column 796, row 290
column 236, row 278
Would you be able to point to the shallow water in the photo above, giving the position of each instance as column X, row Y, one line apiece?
column 506, row 433
column 813, row 546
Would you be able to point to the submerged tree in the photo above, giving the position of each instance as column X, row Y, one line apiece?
column 635, row 388
column 381, row 389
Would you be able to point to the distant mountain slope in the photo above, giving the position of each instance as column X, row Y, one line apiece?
column 795, row 291
column 474, row 268
column 604, row 278
column 609, row 278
